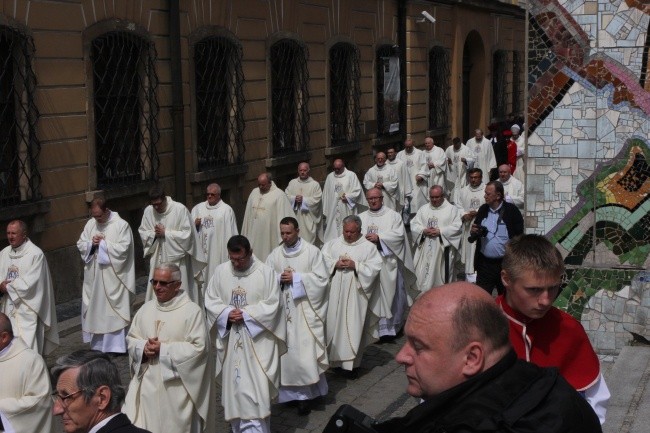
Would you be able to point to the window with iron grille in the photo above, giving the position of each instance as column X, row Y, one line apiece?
column 517, row 79
column 219, row 102
column 344, row 94
column 388, row 91
column 439, row 75
column 499, row 84
column 126, row 108
column 19, row 147
column 289, row 97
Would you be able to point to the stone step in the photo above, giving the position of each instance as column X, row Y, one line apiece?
column 628, row 383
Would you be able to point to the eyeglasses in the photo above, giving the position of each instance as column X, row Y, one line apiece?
column 211, row 194
column 64, row 400
column 161, row 283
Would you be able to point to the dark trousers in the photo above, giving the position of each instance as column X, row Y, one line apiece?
column 488, row 273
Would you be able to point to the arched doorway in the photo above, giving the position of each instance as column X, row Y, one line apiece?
column 474, row 79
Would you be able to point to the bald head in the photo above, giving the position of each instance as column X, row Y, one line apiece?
column 264, row 182
column 453, row 333
column 338, row 166
column 504, row 172
column 303, row 171
column 380, row 159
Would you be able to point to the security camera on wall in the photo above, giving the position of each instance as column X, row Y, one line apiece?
column 426, row 16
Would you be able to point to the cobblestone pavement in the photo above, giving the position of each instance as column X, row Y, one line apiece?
column 379, row 391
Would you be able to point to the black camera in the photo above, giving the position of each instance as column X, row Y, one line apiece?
column 349, row 420
column 481, row 233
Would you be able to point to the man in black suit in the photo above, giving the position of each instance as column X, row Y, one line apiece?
column 89, row 394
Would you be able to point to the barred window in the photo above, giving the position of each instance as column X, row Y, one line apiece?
column 439, row 75
column 499, row 84
column 344, row 94
column 388, row 90
column 219, row 102
column 126, row 108
column 289, row 97
column 517, row 79
column 19, row 147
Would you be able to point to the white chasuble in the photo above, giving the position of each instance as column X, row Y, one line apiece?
column 309, row 213
column 173, row 392
column 248, row 353
column 305, row 308
column 484, row 156
column 457, row 169
column 351, row 325
column 389, row 180
column 416, row 165
column 25, row 402
column 109, row 276
column 435, row 256
column 520, row 170
column 334, row 209
column 438, row 159
column 262, row 219
column 178, row 246
column 397, row 285
column 405, row 184
column 469, row 199
column 218, row 225
column 29, row 301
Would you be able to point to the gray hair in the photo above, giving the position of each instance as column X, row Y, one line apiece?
column 171, row 267
column 95, row 369
column 352, row 219
column 214, row 186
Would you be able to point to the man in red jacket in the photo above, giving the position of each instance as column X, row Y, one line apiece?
column 532, row 271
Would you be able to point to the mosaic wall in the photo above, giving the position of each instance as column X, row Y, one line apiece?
column 589, row 117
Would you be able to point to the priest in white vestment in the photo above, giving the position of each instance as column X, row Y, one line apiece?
column 171, row 389
column 470, row 198
column 265, row 207
column 483, row 153
column 25, row 403
column 459, row 160
column 520, row 140
column 403, row 178
column 106, row 248
column 306, row 197
column 436, row 229
column 26, row 293
column 215, row 223
column 416, row 164
column 382, row 176
column 247, row 324
column 397, row 286
column 303, row 277
column 353, row 264
column 167, row 233
column 512, row 187
column 342, row 196
column 436, row 160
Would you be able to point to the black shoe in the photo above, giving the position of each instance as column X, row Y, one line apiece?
column 304, row 407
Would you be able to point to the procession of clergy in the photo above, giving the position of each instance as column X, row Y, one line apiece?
column 267, row 312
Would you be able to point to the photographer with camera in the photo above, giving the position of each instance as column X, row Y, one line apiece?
column 497, row 221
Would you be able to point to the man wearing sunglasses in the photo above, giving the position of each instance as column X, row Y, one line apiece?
column 89, row 394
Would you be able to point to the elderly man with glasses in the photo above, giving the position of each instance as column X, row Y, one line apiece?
column 171, row 387
column 89, row 395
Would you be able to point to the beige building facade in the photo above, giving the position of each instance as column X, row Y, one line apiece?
column 108, row 97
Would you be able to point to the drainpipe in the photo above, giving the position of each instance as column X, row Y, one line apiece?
column 401, row 41
column 177, row 100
